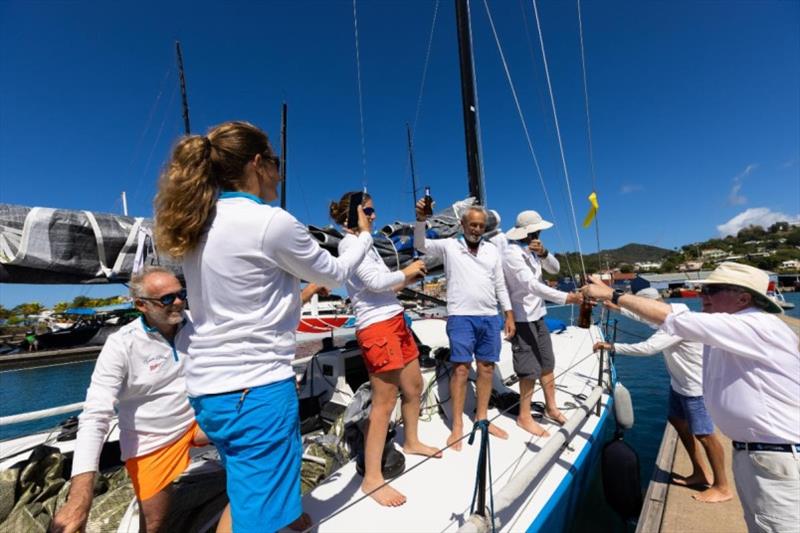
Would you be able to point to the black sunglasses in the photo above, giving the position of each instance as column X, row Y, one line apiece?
column 272, row 158
column 369, row 211
column 167, row 299
column 534, row 235
column 715, row 288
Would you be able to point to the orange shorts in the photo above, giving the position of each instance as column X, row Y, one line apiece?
column 387, row 345
column 151, row 473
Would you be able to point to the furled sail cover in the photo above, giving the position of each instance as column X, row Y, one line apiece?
column 44, row 245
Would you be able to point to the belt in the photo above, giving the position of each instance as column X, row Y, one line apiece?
column 765, row 447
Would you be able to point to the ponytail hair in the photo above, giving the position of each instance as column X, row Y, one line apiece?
column 338, row 211
column 202, row 166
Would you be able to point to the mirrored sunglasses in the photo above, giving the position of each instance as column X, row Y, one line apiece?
column 167, row 299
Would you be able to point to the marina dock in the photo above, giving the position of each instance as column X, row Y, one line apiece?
column 49, row 357
column 670, row 508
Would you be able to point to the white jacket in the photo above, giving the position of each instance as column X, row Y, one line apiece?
column 523, row 273
column 243, row 281
column 372, row 287
column 141, row 374
column 475, row 283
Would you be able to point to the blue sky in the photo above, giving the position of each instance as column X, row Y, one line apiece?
column 694, row 107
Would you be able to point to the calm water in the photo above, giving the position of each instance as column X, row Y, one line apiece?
column 645, row 377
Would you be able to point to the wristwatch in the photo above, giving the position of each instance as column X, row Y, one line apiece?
column 615, row 296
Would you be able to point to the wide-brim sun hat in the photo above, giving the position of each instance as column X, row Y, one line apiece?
column 752, row 279
column 527, row 222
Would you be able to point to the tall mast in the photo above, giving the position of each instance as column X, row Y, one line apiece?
column 186, row 127
column 411, row 163
column 284, row 113
column 469, row 104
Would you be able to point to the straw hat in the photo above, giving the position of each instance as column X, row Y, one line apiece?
column 527, row 222
column 752, row 279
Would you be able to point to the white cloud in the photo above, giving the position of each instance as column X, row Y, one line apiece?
column 788, row 164
column 734, row 198
column 629, row 188
column 755, row 216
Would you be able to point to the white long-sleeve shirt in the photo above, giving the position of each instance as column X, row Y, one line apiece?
column 523, row 274
column 141, row 374
column 751, row 372
column 684, row 359
column 372, row 287
column 475, row 283
column 243, row 281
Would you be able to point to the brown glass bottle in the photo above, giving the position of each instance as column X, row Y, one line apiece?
column 585, row 316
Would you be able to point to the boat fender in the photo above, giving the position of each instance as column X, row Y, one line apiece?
column 623, row 406
column 621, row 483
column 555, row 325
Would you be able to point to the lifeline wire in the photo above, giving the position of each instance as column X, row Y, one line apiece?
column 360, row 101
column 525, row 129
column 558, row 134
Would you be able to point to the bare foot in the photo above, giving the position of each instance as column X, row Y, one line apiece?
column 529, row 425
column 691, row 481
column 455, row 439
column 556, row 416
column 301, row 524
column 422, row 449
column 497, row 432
column 386, row 495
column 713, row 495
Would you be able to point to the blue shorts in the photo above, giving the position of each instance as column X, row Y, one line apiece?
column 693, row 410
column 258, row 438
column 478, row 335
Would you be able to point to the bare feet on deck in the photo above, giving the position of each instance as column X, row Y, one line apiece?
column 455, row 438
column 498, row 432
column 556, row 416
column 530, row 425
column 301, row 524
column 695, row 480
column 422, row 449
column 386, row 495
column 713, row 495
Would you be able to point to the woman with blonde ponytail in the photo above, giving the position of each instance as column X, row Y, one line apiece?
column 243, row 261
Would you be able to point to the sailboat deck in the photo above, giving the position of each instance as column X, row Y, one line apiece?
column 440, row 490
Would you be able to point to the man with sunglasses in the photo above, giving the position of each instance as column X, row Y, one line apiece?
column 524, row 259
column 751, row 383
column 140, row 372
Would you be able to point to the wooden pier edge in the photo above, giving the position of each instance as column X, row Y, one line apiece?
column 655, row 499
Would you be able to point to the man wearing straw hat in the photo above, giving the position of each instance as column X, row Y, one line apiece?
column 687, row 411
column 751, row 383
column 524, row 259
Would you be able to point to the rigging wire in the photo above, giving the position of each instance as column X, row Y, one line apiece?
column 589, row 131
column 558, row 135
column 524, row 127
column 425, row 69
column 360, row 100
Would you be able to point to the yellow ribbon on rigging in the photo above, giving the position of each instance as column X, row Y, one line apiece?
column 592, row 210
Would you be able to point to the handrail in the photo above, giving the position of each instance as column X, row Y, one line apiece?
column 38, row 415
column 520, row 483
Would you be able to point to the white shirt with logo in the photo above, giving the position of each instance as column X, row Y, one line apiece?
column 140, row 374
column 475, row 282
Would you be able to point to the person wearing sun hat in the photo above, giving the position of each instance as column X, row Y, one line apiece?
column 751, row 383
column 687, row 412
column 524, row 259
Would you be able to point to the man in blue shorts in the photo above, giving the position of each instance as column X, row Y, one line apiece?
column 687, row 410
column 475, row 285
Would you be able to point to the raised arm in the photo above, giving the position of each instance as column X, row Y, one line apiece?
column 293, row 249
column 550, row 264
column 514, row 265
column 658, row 342
column 432, row 247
